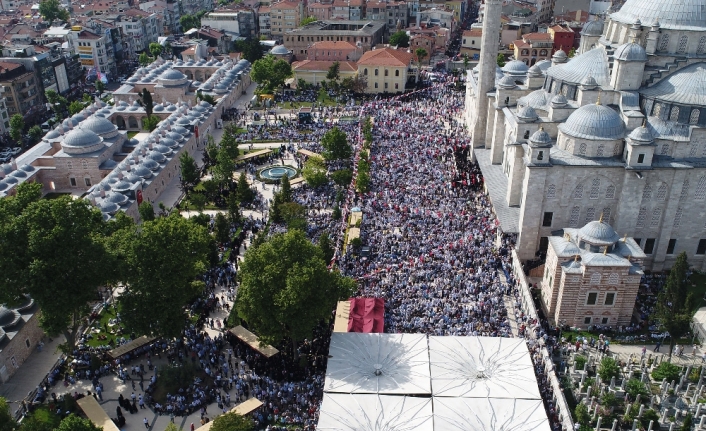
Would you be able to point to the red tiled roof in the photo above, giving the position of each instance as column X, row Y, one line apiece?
column 536, row 37
column 343, row 66
column 285, row 5
column 473, row 33
column 559, row 28
column 386, row 57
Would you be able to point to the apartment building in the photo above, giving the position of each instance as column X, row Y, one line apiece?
column 264, row 19
column 169, row 11
column 285, row 16
column 334, row 51
column 20, row 89
column 235, row 23
column 140, row 28
column 362, row 34
column 320, row 11
column 95, row 51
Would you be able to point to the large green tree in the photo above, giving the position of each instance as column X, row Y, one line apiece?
column 675, row 304
column 17, row 125
column 52, row 246
column 270, row 72
column 245, row 193
column 336, row 145
column 232, row 422
column 57, row 102
column 160, row 262
column 314, row 172
column 7, row 421
column 250, row 48
column 146, row 210
column 100, row 87
column 156, row 49
column 287, row 289
column 400, row 38
column 189, row 171
column 188, row 22
column 75, row 423
column 51, row 10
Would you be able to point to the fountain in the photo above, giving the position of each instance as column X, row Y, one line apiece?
column 274, row 173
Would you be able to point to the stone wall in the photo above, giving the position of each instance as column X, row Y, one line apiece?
column 17, row 347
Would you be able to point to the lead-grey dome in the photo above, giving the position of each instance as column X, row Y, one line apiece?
column 593, row 63
column 506, row 83
column 673, row 15
column 8, row 317
column 527, row 114
column 598, row 233
column 81, row 141
column 559, row 101
column 596, row 122
column 172, row 77
column 538, row 99
column 641, row 135
column 515, row 67
column 686, row 86
column 98, row 125
column 592, row 28
column 630, row 52
column 280, row 50
column 540, row 138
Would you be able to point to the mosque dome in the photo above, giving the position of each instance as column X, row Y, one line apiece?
column 594, row 63
column 81, row 141
column 630, row 52
column 589, row 83
column 157, row 156
column 559, row 101
column 641, row 136
column 527, row 114
column 515, row 67
column 108, row 207
column 540, row 138
column 121, row 186
column 595, row 122
column 535, row 71
column 158, row 108
column 3, row 185
column 172, row 77
column 180, row 130
column 684, row 15
column 592, row 28
column 98, row 125
column 53, row 134
column 8, row 317
column 683, row 87
column 538, row 99
column 598, row 233
column 560, row 56
column 116, row 198
column 150, row 164
column 280, row 50
column 507, row 83
column 142, row 172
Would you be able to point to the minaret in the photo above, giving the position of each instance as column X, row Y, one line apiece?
column 487, row 65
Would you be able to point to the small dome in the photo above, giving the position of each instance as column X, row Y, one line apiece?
column 630, row 52
column 507, row 83
column 116, row 198
column 163, row 149
column 142, row 172
column 3, row 185
column 527, row 114
column 540, row 138
column 171, row 143
column 121, row 186
column 180, row 130
column 171, row 108
column 133, row 79
column 280, row 50
column 172, row 74
column 150, row 164
column 205, row 104
column 594, row 121
column 158, row 108
column 98, row 125
column 641, row 135
column 598, row 233
column 108, row 207
column 535, row 71
column 81, row 141
column 8, row 317
column 589, row 83
column 27, row 168
column 515, row 67
column 156, row 156
column 592, row 28
column 53, row 134
column 19, row 174
column 560, row 56
column 559, row 101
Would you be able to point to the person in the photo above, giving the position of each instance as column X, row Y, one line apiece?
column 192, row 427
column 657, row 346
column 644, row 350
column 146, row 422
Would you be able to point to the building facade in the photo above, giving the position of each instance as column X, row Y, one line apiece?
column 363, row 34
column 385, row 70
column 21, row 90
column 19, row 335
column 285, row 16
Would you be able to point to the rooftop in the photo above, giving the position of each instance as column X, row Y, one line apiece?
column 386, row 57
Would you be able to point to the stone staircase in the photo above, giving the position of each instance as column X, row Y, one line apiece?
column 657, row 73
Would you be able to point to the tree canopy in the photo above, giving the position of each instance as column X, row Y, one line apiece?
column 307, row 20
column 17, row 125
column 270, row 72
column 7, row 421
column 188, row 22
column 314, row 172
column 333, row 71
column 51, row 10
column 75, row 423
column 675, row 305
column 287, row 289
column 232, row 422
column 250, row 48
column 156, row 49
column 400, row 38
column 335, row 143
column 146, row 210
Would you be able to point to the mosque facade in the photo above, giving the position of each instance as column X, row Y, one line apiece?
column 617, row 132
column 90, row 154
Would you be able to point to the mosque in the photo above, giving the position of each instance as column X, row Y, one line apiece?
column 618, row 132
column 91, row 155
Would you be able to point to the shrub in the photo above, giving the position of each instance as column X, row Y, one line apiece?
column 666, row 370
column 634, row 387
column 608, row 369
column 580, row 361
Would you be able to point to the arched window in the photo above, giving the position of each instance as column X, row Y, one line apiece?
column 613, row 279
column 674, row 114
column 683, row 42
column 386, row 72
column 641, row 216
column 551, row 191
column 610, row 192
column 543, row 52
column 664, row 42
column 656, row 216
column 702, row 45
column 582, row 149
column 677, row 217
column 701, row 189
column 665, row 150
column 525, row 52
column 534, row 52
column 658, row 110
column 662, row 192
column 526, row 135
column 595, row 278
column 606, row 214
column 595, row 186
column 599, row 152
column 376, row 72
column 647, row 193
column 590, row 215
column 397, row 72
column 684, row 189
column 540, row 155
column 574, row 219
column 365, row 71
column 694, row 117
column 578, row 192
column 616, row 149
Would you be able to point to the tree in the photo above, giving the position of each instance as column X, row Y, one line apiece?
column 293, row 215
column 146, row 211
column 232, row 422
column 326, row 246
column 287, row 289
column 421, row 54
column 335, row 143
column 400, row 39
column 205, row 97
column 286, row 189
column 100, row 87
column 75, row 107
column 144, row 59
column 675, row 305
column 250, row 48
column 572, row 53
column 189, row 171
column 159, row 263
column 245, row 193
column 17, row 125
column 635, row 387
column 666, row 370
column 57, row 102
column 150, row 123
column 145, row 100
column 51, row 10
column 333, row 71
column 7, row 421
column 270, row 72
column 199, row 201
column 156, row 49
column 224, row 168
column 608, row 369
column 233, row 208
column 35, row 132
column 50, row 246
column 582, row 415
column 465, row 61
column 501, row 60
column 688, row 423
column 75, row 423
column 229, row 141
column 188, row 22
column 221, row 229
column 314, row 172
column 342, row 177
column 308, row 20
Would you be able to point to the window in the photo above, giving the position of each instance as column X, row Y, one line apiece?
column 606, row 214
column 397, row 86
column 664, row 42
column 599, row 152
column 604, row 321
column 665, row 150
column 592, row 298
column 649, row 245
column 365, row 72
column 647, row 193
column 656, row 217
column 694, row 117
column 684, row 189
column 610, row 192
column 702, row 45
column 587, row 320
column 640, row 158
column 543, row 243
column 27, row 343
column 609, row 298
column 638, row 241
column 376, row 84
column 87, row 181
column 386, row 72
column 701, row 248
column 376, row 72
column 578, row 192
column 72, row 180
column 674, row 114
column 701, row 189
column 613, row 279
column 574, row 219
column 595, row 185
column 551, row 191
column 677, row 217
column 641, row 217
column 397, row 72
column 547, row 219
column 662, row 192
column 596, row 278
column 582, row 149
column 590, row 215
column 683, row 41
column 386, row 86
column 672, row 244
column 540, row 155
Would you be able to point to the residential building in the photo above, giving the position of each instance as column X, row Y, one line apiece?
column 425, row 42
column 320, row 11
column 20, row 89
column 363, row 34
column 215, row 38
column 334, row 51
column 265, row 21
column 141, row 29
column 385, row 70
column 470, row 43
column 437, row 18
column 562, row 36
column 533, row 47
column 240, row 23
column 314, row 71
column 63, row 36
column 94, row 50
column 4, row 116
column 285, row 16
column 169, row 11
column 397, row 16
column 375, row 11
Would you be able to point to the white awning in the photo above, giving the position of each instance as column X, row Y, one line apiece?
column 482, row 367
column 371, row 412
column 489, row 414
column 378, row 364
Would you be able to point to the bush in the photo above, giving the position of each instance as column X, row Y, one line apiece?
column 635, row 387
column 647, row 416
column 581, row 413
column 342, row 177
column 608, row 369
column 232, row 422
column 666, row 370
column 609, row 400
column 580, row 361
column 173, row 377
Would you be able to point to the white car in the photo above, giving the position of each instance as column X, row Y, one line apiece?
column 16, row 150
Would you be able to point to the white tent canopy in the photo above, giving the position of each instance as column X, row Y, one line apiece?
column 482, row 367
column 489, row 414
column 371, row 412
column 378, row 363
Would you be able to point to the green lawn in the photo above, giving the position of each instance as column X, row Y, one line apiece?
column 102, row 321
column 132, row 134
